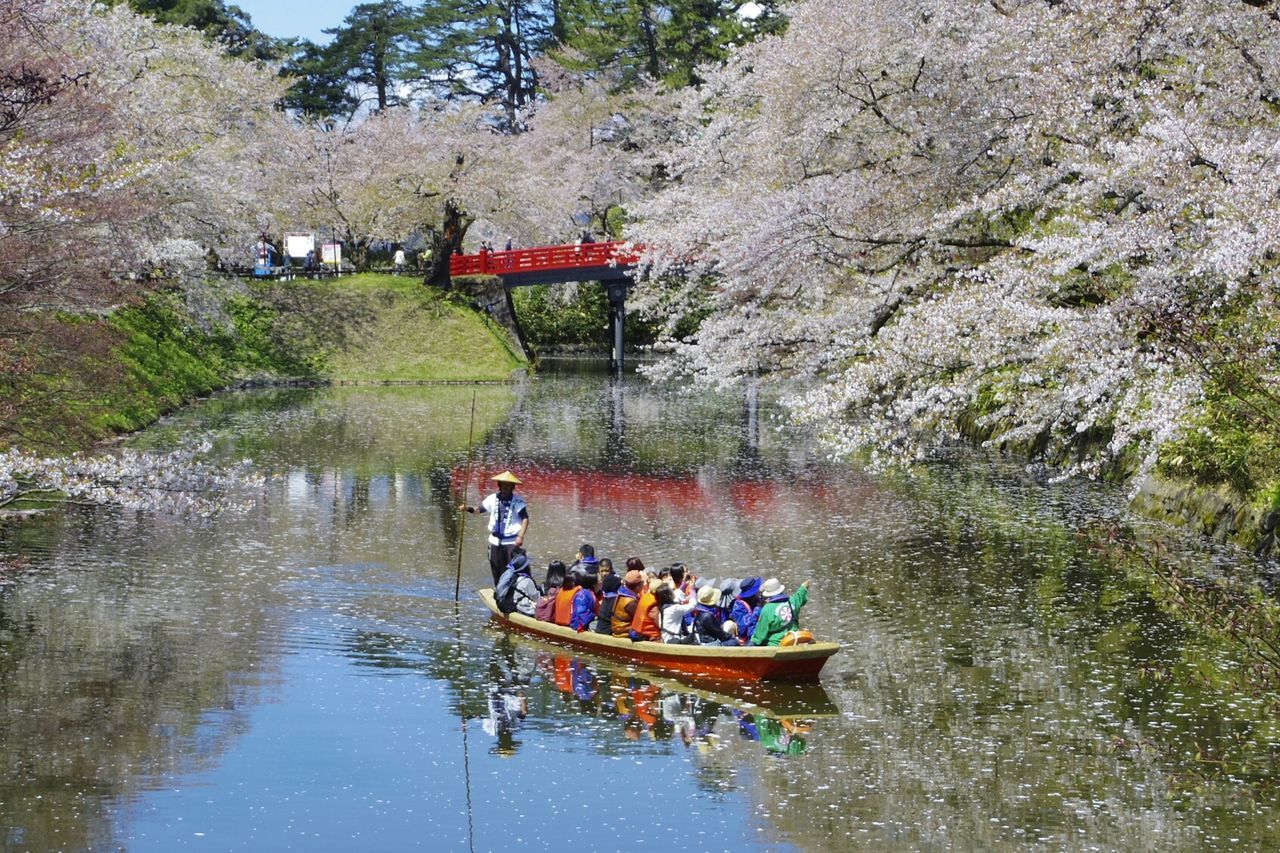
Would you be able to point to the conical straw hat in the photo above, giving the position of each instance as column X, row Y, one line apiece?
column 506, row 477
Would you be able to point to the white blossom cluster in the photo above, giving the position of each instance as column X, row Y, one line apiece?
column 164, row 147
column 1020, row 219
column 389, row 175
column 146, row 140
column 176, row 482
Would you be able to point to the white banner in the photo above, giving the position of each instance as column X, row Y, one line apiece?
column 297, row 245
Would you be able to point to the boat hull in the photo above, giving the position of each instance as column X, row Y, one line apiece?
column 745, row 663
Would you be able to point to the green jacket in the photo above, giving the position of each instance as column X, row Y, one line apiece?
column 779, row 617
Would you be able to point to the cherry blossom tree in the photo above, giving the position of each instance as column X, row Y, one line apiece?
column 126, row 145
column 587, row 152
column 399, row 172
column 1026, row 220
column 126, row 148
column 451, row 171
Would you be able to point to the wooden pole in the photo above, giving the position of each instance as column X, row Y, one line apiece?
column 466, row 484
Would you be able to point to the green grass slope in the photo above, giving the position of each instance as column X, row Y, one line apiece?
column 87, row 378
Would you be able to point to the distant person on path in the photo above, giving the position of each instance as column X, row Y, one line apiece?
column 508, row 522
column 398, row 261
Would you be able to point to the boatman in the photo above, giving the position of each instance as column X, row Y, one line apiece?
column 508, row 522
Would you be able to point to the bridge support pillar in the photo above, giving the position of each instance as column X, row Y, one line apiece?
column 617, row 292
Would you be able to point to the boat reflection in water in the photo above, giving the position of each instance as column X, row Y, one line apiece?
column 645, row 707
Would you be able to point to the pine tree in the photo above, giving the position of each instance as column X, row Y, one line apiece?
column 371, row 48
column 635, row 40
column 320, row 87
column 483, row 50
column 229, row 26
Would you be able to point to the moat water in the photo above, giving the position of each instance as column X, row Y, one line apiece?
column 296, row 675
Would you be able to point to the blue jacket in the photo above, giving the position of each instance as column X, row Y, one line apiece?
column 745, row 616
column 584, row 609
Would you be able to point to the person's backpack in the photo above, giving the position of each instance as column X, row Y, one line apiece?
column 544, row 610
column 505, row 592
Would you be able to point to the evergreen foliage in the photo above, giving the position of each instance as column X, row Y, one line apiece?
column 371, row 48
column 229, row 26
column 637, row 40
column 482, row 50
column 488, row 51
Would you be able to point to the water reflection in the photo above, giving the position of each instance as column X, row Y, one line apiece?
column 641, row 706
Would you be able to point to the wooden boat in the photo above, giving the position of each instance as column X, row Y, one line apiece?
column 716, row 663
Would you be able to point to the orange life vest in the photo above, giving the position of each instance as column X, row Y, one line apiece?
column 564, row 605
column 624, row 613
column 645, row 622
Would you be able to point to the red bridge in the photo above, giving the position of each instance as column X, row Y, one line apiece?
column 607, row 263
column 551, row 264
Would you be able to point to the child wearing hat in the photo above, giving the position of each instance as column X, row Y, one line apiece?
column 779, row 614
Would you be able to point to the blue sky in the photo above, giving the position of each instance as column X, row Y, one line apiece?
column 281, row 18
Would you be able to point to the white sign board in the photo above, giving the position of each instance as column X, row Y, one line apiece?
column 297, row 245
column 331, row 253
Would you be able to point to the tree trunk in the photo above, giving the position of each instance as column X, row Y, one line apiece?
column 649, row 31
column 446, row 242
column 380, row 81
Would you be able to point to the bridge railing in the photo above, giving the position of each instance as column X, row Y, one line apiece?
column 543, row 258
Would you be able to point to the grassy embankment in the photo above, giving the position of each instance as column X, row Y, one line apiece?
column 125, row 370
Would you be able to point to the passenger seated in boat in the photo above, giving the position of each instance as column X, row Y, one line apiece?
column 585, row 550
column 546, row 607
column 610, row 589
column 645, row 624
column 682, row 579
column 606, row 567
column 584, row 605
column 708, row 620
column 624, row 609
column 779, row 614
column 525, row 592
column 745, row 610
column 564, row 599
column 671, row 615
